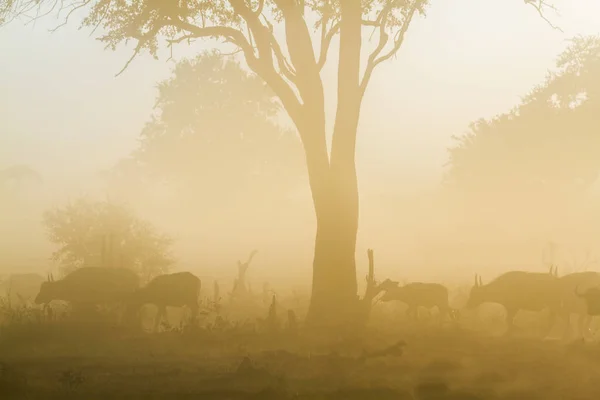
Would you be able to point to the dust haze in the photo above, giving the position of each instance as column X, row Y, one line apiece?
column 290, row 186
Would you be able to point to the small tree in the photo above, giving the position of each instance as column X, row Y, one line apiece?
column 102, row 234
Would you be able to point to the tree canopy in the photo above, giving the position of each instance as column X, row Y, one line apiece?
column 548, row 143
column 92, row 234
column 215, row 135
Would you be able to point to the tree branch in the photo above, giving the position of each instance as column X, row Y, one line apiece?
column 327, row 37
column 231, row 35
column 283, row 63
column 142, row 41
column 267, row 45
column 326, row 43
column 374, row 58
column 259, row 31
column 259, row 9
column 302, row 56
column 539, row 5
column 74, row 8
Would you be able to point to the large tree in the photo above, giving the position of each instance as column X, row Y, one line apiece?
column 215, row 138
column 546, row 145
column 293, row 73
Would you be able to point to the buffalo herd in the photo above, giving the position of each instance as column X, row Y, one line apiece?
column 576, row 294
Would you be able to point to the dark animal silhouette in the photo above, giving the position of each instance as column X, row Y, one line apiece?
column 591, row 297
column 90, row 285
column 171, row 290
column 574, row 304
column 520, row 290
column 417, row 294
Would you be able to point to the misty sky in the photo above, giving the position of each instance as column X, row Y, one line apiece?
column 64, row 112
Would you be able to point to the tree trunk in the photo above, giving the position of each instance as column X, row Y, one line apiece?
column 332, row 177
column 334, row 288
column 334, row 185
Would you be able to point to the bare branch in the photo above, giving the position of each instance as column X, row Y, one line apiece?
column 368, row 22
column 229, row 34
column 324, row 22
column 250, row 257
column 18, row 9
column 326, row 43
column 540, row 5
column 383, row 35
column 142, row 41
column 327, row 37
column 302, row 57
column 283, row 63
column 259, row 31
column 299, row 41
column 374, row 58
column 73, row 9
column 263, row 64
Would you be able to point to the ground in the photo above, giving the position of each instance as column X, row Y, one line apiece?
column 448, row 362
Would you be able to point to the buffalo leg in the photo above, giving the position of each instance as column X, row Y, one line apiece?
column 510, row 321
column 444, row 312
column 584, row 321
column 194, row 308
column 567, row 321
column 162, row 311
column 552, row 322
column 411, row 313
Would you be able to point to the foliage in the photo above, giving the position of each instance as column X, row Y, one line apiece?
column 215, row 133
column 81, row 230
column 549, row 142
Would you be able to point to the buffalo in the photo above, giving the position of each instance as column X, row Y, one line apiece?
column 170, row 290
column 575, row 304
column 417, row 294
column 90, row 287
column 520, row 290
column 591, row 297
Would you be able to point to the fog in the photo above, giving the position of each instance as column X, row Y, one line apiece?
column 285, row 199
column 67, row 117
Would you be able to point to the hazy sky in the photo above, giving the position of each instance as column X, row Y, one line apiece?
column 60, row 104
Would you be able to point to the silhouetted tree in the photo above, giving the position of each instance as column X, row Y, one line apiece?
column 549, row 143
column 103, row 234
column 215, row 136
column 295, row 79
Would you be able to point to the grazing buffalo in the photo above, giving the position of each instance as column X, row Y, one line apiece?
column 90, row 286
column 416, row 294
column 519, row 290
column 574, row 304
column 591, row 297
column 170, row 290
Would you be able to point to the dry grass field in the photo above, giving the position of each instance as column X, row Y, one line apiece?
column 65, row 360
